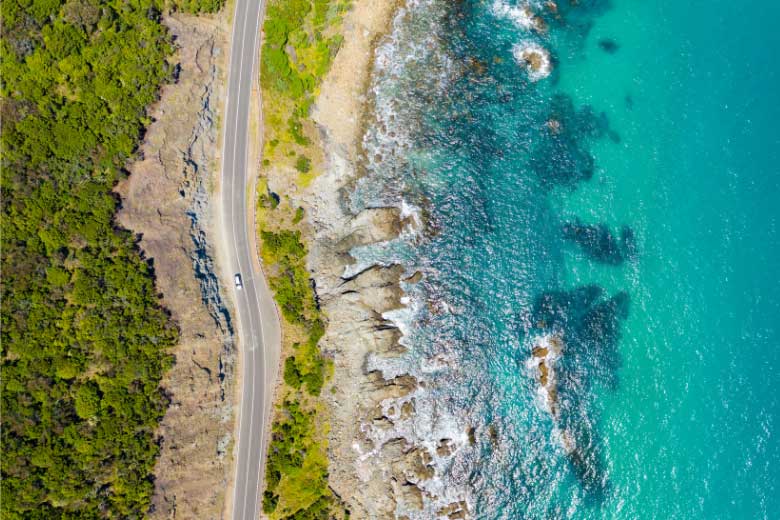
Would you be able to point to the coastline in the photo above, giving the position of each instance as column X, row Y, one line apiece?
column 377, row 465
column 371, row 476
column 329, row 231
column 354, row 307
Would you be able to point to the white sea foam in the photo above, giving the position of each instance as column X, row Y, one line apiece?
column 411, row 213
column 432, row 424
column 411, row 60
column 535, row 58
column 402, row 318
column 439, row 362
column 550, row 347
column 386, row 253
column 521, row 16
column 426, row 429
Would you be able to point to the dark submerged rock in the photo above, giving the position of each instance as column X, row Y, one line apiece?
column 562, row 155
column 609, row 45
column 599, row 243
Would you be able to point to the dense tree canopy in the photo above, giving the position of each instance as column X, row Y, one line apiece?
column 85, row 341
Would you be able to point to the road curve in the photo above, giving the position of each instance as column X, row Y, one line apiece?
column 257, row 320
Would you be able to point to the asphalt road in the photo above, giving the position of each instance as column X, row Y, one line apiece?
column 257, row 320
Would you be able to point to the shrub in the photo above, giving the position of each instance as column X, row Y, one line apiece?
column 297, row 485
column 298, row 215
column 198, row 6
column 303, row 164
column 291, row 375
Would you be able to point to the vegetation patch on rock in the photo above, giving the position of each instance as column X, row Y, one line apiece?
column 301, row 39
column 297, row 464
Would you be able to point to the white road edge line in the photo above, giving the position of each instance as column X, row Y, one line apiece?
column 255, row 76
column 222, row 190
column 247, row 347
column 242, row 339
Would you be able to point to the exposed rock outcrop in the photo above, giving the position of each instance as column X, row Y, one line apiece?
column 378, row 467
column 535, row 58
column 167, row 201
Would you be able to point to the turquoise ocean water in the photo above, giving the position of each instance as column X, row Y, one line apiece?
column 628, row 204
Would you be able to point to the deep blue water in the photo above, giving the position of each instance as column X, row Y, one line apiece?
column 628, row 204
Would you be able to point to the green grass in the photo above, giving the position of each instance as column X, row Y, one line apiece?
column 286, row 253
column 299, row 213
column 301, row 39
column 303, row 164
column 198, row 6
column 297, row 468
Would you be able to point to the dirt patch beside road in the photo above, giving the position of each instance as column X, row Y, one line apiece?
column 168, row 201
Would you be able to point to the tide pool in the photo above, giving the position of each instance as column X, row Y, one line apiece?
column 628, row 205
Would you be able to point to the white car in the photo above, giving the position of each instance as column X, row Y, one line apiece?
column 239, row 285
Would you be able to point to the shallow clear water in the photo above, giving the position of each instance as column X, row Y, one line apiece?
column 628, row 203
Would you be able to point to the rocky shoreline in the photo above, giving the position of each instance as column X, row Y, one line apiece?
column 385, row 448
column 378, row 466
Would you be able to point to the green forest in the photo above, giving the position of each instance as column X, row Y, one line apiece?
column 85, row 341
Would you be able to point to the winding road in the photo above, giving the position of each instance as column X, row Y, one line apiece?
column 257, row 321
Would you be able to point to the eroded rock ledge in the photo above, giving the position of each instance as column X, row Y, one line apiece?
column 167, row 201
column 357, row 333
column 377, row 467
